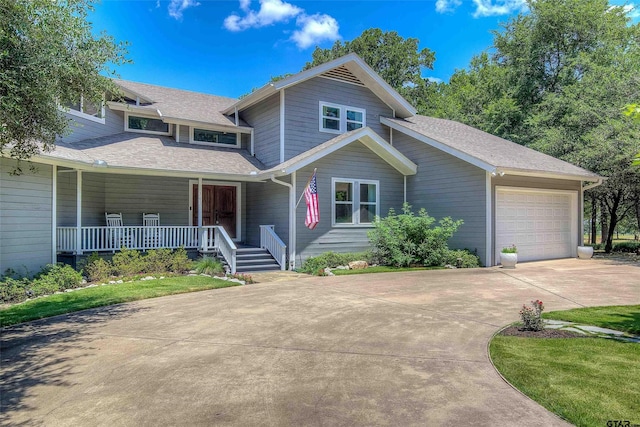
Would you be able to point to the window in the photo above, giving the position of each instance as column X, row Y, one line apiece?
column 214, row 137
column 146, row 125
column 340, row 119
column 87, row 110
column 355, row 202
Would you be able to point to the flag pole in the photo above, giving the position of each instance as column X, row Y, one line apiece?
column 305, row 187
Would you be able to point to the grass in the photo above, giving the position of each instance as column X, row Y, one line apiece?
column 624, row 318
column 381, row 269
column 99, row 296
column 587, row 381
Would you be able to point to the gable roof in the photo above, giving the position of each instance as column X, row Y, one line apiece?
column 136, row 153
column 176, row 105
column 350, row 68
column 365, row 135
column 486, row 151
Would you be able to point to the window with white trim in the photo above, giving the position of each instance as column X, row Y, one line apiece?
column 142, row 124
column 355, row 202
column 336, row 118
column 214, row 137
column 87, row 110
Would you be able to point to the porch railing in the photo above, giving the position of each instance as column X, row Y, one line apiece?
column 270, row 241
column 97, row 239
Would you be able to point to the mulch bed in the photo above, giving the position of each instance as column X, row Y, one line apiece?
column 515, row 331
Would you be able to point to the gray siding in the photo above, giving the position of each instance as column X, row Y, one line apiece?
column 354, row 161
column 82, row 129
column 302, row 111
column 135, row 195
column 66, row 198
column 447, row 186
column 93, row 196
column 538, row 183
column 25, row 218
column 265, row 119
column 268, row 205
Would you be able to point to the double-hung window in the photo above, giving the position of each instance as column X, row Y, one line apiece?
column 355, row 202
column 336, row 118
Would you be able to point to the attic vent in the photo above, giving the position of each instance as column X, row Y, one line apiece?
column 343, row 74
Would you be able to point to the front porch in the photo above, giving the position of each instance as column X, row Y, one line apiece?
column 198, row 218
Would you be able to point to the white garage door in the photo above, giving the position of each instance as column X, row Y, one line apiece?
column 541, row 223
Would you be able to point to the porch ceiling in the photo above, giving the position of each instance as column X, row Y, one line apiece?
column 136, row 152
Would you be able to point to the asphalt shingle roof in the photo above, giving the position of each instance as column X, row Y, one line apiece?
column 488, row 148
column 139, row 151
column 183, row 104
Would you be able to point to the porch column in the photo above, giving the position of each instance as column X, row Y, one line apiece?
column 54, row 213
column 199, row 202
column 79, row 212
column 292, row 222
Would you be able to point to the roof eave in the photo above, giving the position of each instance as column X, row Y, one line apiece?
column 551, row 175
column 254, row 97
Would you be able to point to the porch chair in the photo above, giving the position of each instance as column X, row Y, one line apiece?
column 152, row 235
column 116, row 234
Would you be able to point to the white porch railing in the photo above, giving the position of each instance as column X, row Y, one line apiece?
column 97, row 239
column 270, row 241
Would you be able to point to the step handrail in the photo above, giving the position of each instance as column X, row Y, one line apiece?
column 270, row 241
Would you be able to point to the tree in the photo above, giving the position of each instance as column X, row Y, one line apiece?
column 48, row 58
column 556, row 80
column 397, row 60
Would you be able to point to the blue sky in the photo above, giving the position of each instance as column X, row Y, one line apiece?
column 228, row 47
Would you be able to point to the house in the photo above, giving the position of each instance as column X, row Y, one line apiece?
column 226, row 174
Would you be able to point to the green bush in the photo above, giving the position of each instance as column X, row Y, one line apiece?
column 314, row 265
column 209, row 265
column 408, row 239
column 158, row 260
column 626, row 247
column 13, row 290
column 97, row 269
column 179, row 262
column 462, row 259
column 127, row 262
column 61, row 275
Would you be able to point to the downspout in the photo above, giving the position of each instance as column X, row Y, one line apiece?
column 292, row 217
column 253, row 146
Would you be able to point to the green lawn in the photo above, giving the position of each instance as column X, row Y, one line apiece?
column 99, row 296
column 587, row 381
column 624, row 318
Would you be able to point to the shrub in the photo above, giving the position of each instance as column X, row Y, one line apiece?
column 532, row 316
column 158, row 260
column 61, row 275
column 632, row 247
column 180, row 262
column 462, row 259
column 97, row 269
column 313, row 265
column 209, row 265
column 407, row 239
column 127, row 262
column 13, row 290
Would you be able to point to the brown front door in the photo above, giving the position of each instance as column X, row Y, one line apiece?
column 218, row 206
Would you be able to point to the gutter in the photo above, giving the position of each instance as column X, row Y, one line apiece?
column 593, row 185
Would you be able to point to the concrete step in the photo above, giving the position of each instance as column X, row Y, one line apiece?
column 254, row 268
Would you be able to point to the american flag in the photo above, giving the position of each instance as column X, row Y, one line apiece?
column 311, row 196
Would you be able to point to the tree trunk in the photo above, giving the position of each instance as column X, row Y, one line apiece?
column 594, row 220
column 603, row 222
column 613, row 221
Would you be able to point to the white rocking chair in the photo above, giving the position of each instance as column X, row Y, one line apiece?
column 117, row 235
column 152, row 235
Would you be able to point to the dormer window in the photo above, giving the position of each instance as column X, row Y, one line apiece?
column 142, row 124
column 87, row 110
column 214, row 137
column 336, row 118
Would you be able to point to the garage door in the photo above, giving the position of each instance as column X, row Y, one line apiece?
column 541, row 223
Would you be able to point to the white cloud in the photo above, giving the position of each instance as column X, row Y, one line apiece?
column 434, row 80
column 315, row 29
column 312, row 29
column 176, row 7
column 271, row 12
column 498, row 7
column 632, row 10
column 444, row 6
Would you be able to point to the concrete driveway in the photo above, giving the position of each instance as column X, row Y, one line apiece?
column 382, row 349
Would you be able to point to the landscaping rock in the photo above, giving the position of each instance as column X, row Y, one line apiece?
column 327, row 272
column 358, row 265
